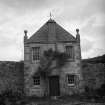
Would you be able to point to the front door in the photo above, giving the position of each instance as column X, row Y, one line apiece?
column 54, row 86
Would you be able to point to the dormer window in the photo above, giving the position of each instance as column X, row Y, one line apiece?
column 35, row 53
column 70, row 52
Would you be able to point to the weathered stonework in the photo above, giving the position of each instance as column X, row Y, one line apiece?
column 73, row 66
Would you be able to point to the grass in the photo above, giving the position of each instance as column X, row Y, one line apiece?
column 74, row 99
column 14, row 99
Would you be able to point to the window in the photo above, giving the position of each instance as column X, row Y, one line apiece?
column 71, row 79
column 35, row 53
column 69, row 52
column 36, row 80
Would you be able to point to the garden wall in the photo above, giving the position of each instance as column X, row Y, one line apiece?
column 11, row 76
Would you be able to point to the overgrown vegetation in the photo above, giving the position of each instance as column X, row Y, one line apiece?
column 95, row 94
column 49, row 61
column 9, row 97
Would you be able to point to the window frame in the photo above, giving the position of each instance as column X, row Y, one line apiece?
column 36, row 80
column 70, row 53
column 72, row 83
column 37, row 54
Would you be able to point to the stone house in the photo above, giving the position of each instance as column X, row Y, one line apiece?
column 66, row 81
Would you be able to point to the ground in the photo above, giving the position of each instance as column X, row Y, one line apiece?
column 64, row 100
column 67, row 100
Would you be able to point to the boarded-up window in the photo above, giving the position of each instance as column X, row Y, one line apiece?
column 70, row 52
column 35, row 53
column 70, row 79
column 36, row 80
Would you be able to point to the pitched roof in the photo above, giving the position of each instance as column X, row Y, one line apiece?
column 42, row 35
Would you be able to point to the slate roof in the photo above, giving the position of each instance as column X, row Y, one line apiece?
column 41, row 36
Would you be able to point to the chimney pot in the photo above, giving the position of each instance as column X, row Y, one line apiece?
column 77, row 30
column 25, row 32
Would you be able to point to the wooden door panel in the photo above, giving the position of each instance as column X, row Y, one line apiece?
column 54, row 86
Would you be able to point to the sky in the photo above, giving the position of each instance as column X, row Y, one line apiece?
column 19, row 15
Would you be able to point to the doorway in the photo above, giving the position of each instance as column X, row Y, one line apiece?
column 54, row 89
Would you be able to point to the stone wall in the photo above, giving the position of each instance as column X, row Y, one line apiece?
column 11, row 76
column 93, row 74
column 73, row 66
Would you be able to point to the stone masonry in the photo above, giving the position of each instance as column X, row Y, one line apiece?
column 52, row 35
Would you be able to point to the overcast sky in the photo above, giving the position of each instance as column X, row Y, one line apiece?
column 17, row 15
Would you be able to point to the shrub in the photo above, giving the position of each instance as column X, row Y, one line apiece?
column 11, row 97
column 101, row 90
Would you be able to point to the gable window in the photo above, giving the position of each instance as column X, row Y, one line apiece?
column 35, row 53
column 36, row 80
column 69, row 52
column 71, row 79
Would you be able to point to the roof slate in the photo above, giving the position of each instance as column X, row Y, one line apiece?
column 41, row 36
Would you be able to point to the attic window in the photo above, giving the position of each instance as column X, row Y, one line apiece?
column 36, row 80
column 71, row 79
column 35, row 53
column 70, row 52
